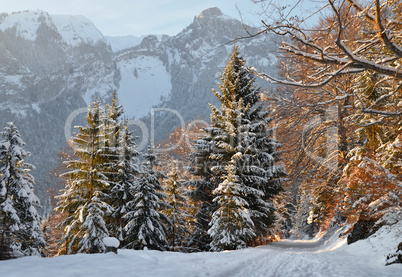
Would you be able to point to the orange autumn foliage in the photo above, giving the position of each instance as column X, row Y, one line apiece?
column 369, row 190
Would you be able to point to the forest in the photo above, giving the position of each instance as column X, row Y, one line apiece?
column 324, row 149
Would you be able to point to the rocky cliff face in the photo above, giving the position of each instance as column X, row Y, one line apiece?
column 53, row 65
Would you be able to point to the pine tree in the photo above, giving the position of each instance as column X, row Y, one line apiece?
column 285, row 211
column 260, row 155
column 20, row 233
column 118, row 147
column 178, row 232
column 84, row 198
column 145, row 226
column 203, row 183
column 112, row 128
column 231, row 225
column 239, row 134
column 123, row 191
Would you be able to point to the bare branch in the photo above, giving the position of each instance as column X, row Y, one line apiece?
column 385, row 113
column 377, row 22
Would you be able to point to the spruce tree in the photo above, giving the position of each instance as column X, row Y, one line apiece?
column 202, row 185
column 117, row 149
column 231, row 225
column 145, row 226
column 20, row 223
column 123, row 191
column 177, row 211
column 84, row 199
column 260, row 168
column 112, row 128
column 240, row 135
column 113, row 121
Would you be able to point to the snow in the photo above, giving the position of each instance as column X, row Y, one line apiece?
column 13, row 79
column 35, row 107
column 139, row 94
column 25, row 23
column 327, row 256
column 77, row 29
column 111, row 242
column 74, row 29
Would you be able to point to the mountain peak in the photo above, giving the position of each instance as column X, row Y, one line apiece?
column 210, row 12
column 74, row 29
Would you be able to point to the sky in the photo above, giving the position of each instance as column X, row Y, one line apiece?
column 140, row 17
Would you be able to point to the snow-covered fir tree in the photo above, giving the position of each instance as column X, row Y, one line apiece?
column 203, row 183
column 117, row 149
column 124, row 188
column 241, row 129
column 146, row 224
column 20, row 223
column 231, row 225
column 113, row 121
column 178, row 232
column 112, row 127
column 84, row 199
column 260, row 168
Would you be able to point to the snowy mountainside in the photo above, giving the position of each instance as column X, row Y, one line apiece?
column 52, row 65
column 45, row 55
column 144, row 80
column 73, row 29
column 193, row 58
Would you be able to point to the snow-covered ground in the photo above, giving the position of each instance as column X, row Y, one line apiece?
column 327, row 256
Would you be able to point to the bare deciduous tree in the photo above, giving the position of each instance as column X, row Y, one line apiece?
column 355, row 38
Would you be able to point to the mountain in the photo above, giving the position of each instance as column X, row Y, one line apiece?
column 52, row 66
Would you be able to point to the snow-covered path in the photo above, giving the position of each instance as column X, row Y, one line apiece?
column 310, row 258
column 327, row 256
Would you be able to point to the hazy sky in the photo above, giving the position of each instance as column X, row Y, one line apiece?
column 139, row 17
column 132, row 17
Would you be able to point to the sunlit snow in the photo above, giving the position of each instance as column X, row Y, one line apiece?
column 328, row 256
